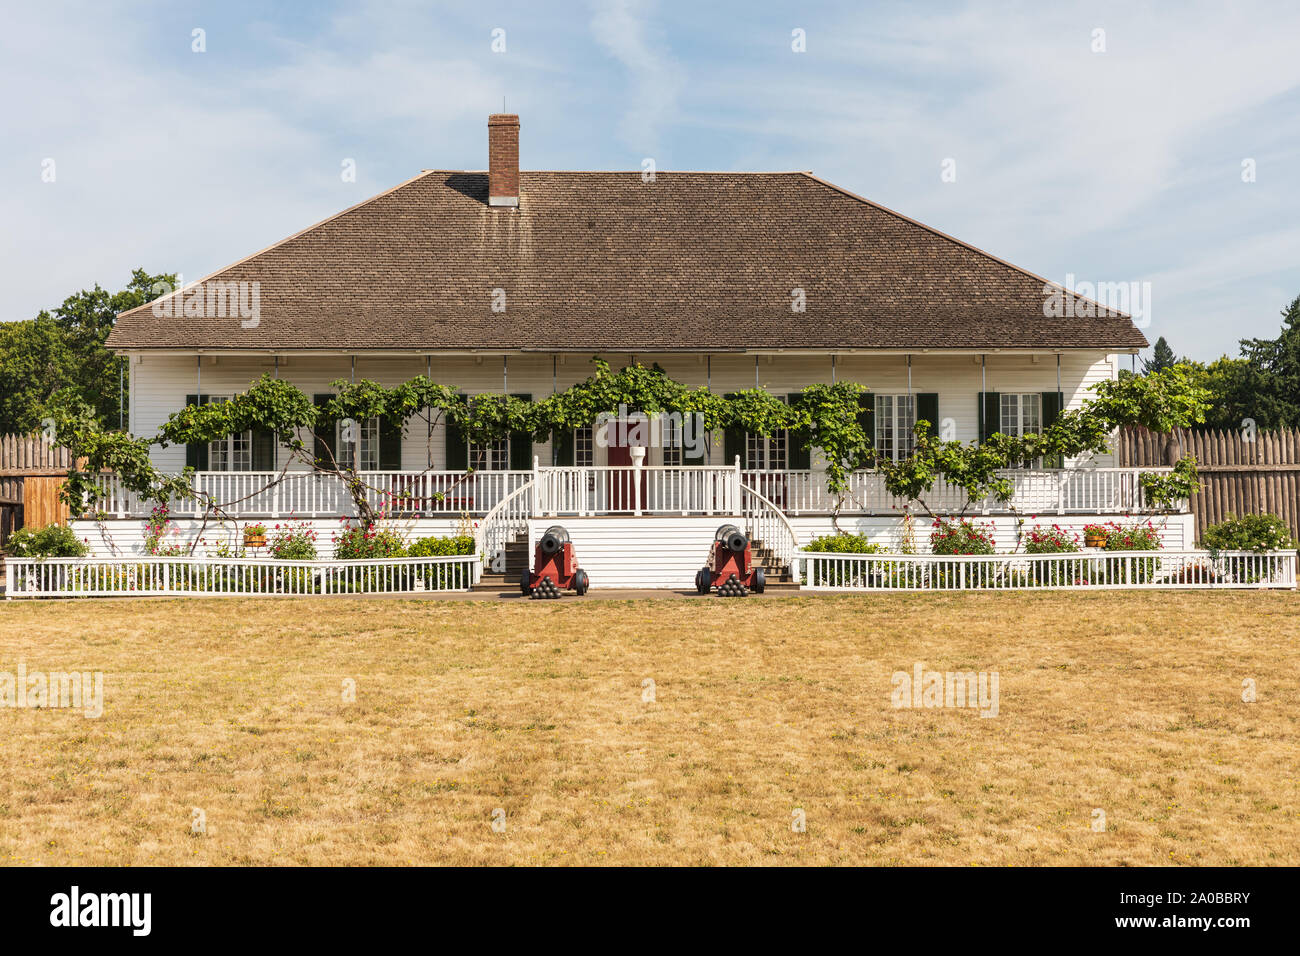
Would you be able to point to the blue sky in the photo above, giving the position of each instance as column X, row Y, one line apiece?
column 1115, row 166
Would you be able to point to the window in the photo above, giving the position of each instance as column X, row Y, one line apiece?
column 895, row 419
column 584, row 447
column 232, row 453
column 672, row 435
column 358, row 437
column 492, row 456
column 1021, row 414
column 770, row 453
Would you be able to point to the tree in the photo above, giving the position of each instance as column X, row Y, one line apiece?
column 65, row 350
column 35, row 362
column 1263, row 385
column 1274, row 379
column 1162, row 401
column 1162, row 357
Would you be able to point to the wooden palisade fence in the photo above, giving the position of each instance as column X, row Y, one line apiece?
column 1238, row 475
column 31, row 473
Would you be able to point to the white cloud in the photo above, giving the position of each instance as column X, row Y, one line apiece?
column 656, row 80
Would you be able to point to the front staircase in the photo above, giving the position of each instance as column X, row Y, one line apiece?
column 517, row 558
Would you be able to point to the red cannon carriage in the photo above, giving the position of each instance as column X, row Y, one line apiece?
column 555, row 567
column 731, row 569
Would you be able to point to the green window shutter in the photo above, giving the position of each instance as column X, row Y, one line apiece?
column 990, row 414
column 324, row 433
column 390, row 443
column 457, row 447
column 733, row 442
column 927, row 407
column 562, row 449
column 263, row 450
column 196, row 454
column 1052, row 405
column 521, row 445
column 867, row 419
column 797, row 452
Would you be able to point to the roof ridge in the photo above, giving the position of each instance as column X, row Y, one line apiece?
column 276, row 245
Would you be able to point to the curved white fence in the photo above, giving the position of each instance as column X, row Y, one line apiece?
column 234, row 577
column 768, row 524
column 1084, row 570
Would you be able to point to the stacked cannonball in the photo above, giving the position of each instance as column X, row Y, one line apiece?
column 545, row 589
column 732, row 588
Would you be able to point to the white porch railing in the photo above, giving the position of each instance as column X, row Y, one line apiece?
column 234, row 577
column 1101, row 570
column 767, row 523
column 308, row 494
column 653, row 490
column 1036, row 491
column 504, row 523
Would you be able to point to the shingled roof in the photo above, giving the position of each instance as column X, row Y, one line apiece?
column 602, row 261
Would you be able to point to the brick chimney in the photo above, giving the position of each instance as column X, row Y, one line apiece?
column 503, row 159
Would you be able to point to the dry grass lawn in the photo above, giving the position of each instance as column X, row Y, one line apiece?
column 1131, row 703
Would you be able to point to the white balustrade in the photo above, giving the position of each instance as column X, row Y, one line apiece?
column 612, row 490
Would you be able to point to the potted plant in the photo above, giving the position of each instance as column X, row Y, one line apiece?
column 255, row 535
column 1095, row 535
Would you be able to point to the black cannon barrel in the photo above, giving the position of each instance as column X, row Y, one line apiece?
column 732, row 538
column 555, row 538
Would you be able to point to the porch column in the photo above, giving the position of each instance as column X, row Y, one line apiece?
column 735, row 487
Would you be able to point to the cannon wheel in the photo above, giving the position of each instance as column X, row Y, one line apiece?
column 702, row 581
column 760, row 581
column 581, row 582
column 524, row 577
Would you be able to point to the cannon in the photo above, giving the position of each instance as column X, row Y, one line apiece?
column 555, row 567
column 731, row 569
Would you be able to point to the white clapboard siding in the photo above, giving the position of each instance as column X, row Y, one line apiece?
column 160, row 383
column 637, row 552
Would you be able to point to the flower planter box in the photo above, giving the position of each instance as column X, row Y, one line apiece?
column 1095, row 540
column 255, row 539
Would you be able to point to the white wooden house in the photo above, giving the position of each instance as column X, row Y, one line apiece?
column 511, row 282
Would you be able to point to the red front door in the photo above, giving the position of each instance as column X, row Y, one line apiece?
column 621, row 496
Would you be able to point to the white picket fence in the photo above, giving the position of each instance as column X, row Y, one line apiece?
column 234, row 577
column 1087, row 570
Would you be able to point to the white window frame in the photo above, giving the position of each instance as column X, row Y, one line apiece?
column 895, row 416
column 491, row 456
column 672, row 442
column 367, row 432
column 767, row 453
column 1020, row 423
column 584, row 447
column 235, row 451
